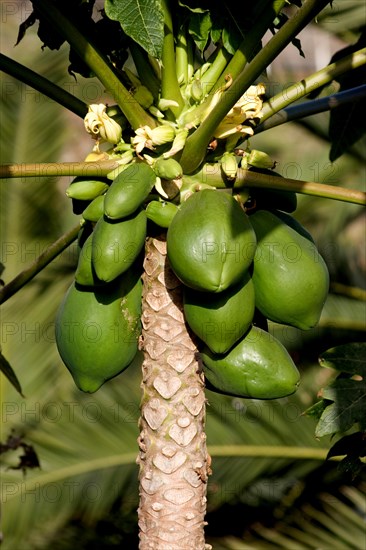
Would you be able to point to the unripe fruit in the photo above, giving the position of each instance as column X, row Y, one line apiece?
column 85, row 273
column 210, row 242
column 161, row 213
column 116, row 245
column 290, row 277
column 97, row 331
column 129, row 190
column 220, row 319
column 94, row 210
column 86, row 189
column 258, row 367
column 168, row 169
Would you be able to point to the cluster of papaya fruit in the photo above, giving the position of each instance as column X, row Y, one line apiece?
column 239, row 270
column 98, row 321
column 240, row 264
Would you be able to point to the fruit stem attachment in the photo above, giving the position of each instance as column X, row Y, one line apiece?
column 51, row 252
column 43, row 85
column 83, row 46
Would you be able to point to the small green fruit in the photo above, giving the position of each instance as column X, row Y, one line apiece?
column 168, row 169
column 116, row 245
column 129, row 190
column 161, row 213
column 86, row 189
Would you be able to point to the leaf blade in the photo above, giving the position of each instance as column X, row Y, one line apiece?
column 141, row 20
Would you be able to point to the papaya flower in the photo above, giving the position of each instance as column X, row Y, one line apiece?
column 101, row 126
column 248, row 107
column 149, row 137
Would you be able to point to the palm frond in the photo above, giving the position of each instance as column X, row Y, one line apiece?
column 324, row 520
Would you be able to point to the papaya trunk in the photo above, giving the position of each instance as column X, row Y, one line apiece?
column 173, row 459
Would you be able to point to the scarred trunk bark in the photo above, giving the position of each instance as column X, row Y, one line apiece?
column 173, row 459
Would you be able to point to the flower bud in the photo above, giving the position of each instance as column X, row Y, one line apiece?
column 196, row 90
column 259, row 159
column 100, row 125
column 229, row 165
column 162, row 134
column 178, row 142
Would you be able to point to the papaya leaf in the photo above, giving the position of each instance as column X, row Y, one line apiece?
column 347, row 408
column 316, row 410
column 8, row 371
column 199, row 28
column 141, row 20
column 350, row 358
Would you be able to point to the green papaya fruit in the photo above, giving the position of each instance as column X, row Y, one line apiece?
column 258, row 367
column 86, row 188
column 116, row 244
column 161, row 213
column 168, row 169
column 85, row 273
column 290, row 277
column 94, row 210
column 85, row 231
column 220, row 319
column 210, row 241
column 295, row 224
column 129, row 190
column 97, row 331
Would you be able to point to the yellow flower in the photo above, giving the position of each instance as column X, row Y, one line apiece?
column 149, row 137
column 248, row 107
column 101, row 126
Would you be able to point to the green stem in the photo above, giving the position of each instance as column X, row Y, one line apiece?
column 169, row 81
column 144, row 69
column 58, row 169
column 273, row 451
column 315, row 106
column 196, row 145
column 54, row 250
column 312, row 82
column 43, row 85
column 251, row 41
column 211, row 174
column 210, row 77
column 238, row 62
column 134, row 113
column 350, row 291
column 181, row 57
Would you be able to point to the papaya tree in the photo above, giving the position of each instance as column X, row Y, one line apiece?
column 187, row 243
